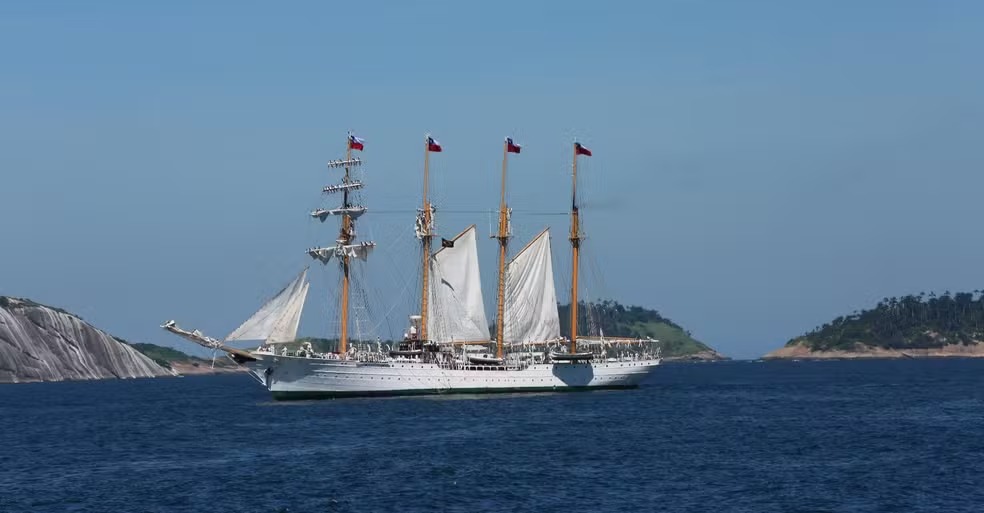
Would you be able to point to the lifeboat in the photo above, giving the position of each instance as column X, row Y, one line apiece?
column 569, row 357
column 406, row 352
column 485, row 359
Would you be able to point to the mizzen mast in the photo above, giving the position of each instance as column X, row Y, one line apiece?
column 345, row 248
column 575, row 238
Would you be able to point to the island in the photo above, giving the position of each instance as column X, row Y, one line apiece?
column 919, row 325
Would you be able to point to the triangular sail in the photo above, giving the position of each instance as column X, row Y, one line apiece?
column 278, row 318
column 286, row 329
column 457, row 312
column 531, row 301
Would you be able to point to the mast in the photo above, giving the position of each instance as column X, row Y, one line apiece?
column 344, row 237
column 503, row 237
column 345, row 248
column 575, row 238
column 425, row 239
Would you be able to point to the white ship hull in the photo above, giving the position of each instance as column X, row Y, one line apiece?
column 288, row 377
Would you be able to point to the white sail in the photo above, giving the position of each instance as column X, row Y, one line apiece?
column 277, row 316
column 285, row 330
column 531, row 301
column 456, row 312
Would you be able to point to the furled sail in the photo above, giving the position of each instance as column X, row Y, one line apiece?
column 347, row 186
column 353, row 212
column 531, row 301
column 422, row 228
column 457, row 312
column 360, row 251
column 277, row 320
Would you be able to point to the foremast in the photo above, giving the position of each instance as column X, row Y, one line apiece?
column 345, row 248
column 575, row 238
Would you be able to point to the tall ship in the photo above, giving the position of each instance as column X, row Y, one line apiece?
column 448, row 345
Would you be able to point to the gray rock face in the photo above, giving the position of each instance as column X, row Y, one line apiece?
column 38, row 343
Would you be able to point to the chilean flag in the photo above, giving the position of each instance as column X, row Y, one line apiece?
column 433, row 145
column 581, row 150
column 512, row 147
column 356, row 143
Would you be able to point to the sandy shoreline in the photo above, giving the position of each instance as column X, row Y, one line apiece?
column 800, row 351
column 702, row 356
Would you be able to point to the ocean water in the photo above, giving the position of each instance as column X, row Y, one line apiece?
column 847, row 436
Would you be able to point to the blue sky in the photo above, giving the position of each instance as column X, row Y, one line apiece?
column 760, row 167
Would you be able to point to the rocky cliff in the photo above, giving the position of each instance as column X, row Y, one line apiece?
column 40, row 343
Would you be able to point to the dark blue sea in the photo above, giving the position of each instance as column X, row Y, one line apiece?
column 878, row 436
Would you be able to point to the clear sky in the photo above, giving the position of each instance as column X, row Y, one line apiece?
column 759, row 167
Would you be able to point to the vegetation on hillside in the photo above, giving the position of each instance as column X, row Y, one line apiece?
column 165, row 356
column 909, row 322
column 617, row 320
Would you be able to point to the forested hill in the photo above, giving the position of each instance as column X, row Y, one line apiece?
column 617, row 320
column 910, row 322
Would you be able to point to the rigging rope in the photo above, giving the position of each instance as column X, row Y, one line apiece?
column 405, row 288
column 453, row 211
